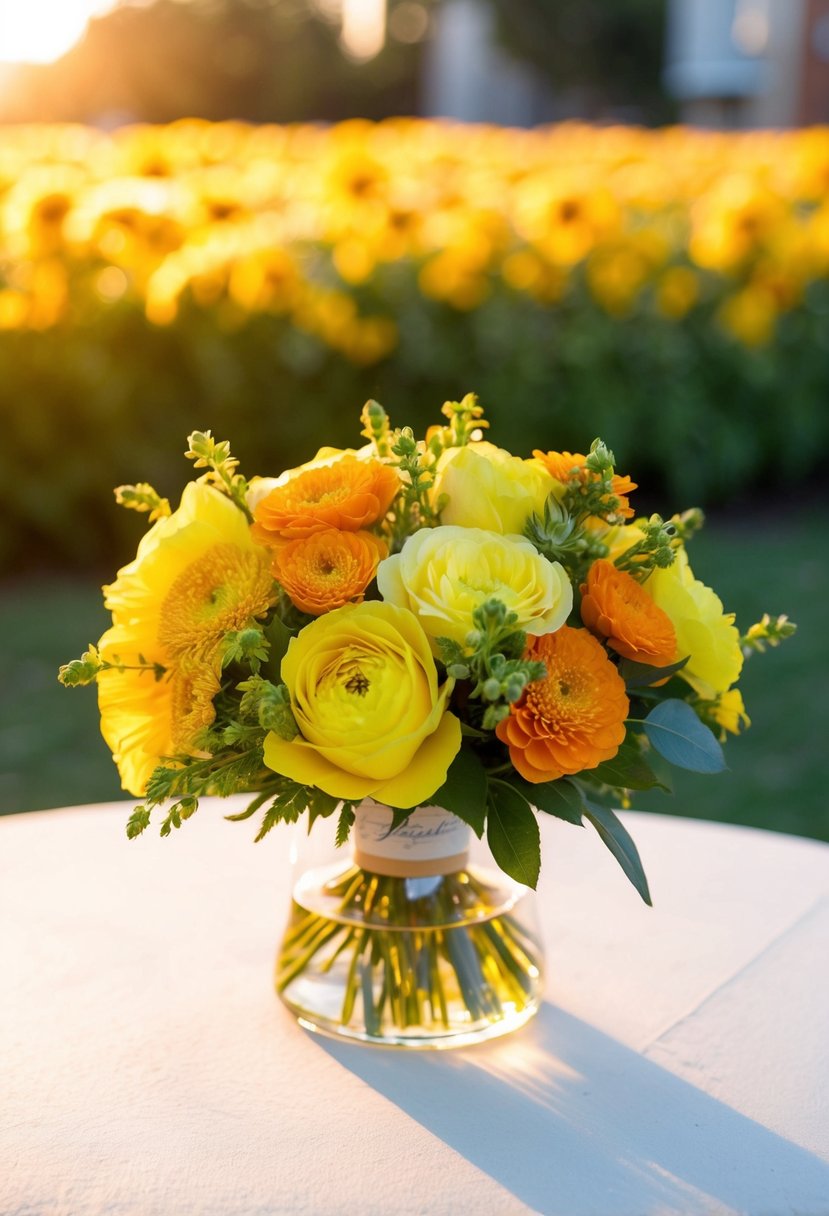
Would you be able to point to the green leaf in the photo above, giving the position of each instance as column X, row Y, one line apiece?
column 251, row 808
column 677, row 734
column 344, row 824
column 559, row 798
column 628, row 770
column 464, row 791
column 137, row 822
column 512, row 834
column 617, row 838
column 286, row 807
column 642, row 675
column 278, row 636
column 320, row 805
column 399, row 815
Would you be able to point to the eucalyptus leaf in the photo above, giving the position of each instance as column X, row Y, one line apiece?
column 620, row 843
column 464, row 791
column 676, row 732
column 512, row 834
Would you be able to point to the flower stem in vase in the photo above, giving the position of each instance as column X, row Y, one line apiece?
column 416, row 960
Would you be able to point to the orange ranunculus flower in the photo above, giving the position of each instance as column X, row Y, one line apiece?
column 615, row 606
column 348, row 494
column 564, row 465
column 573, row 718
column 328, row 569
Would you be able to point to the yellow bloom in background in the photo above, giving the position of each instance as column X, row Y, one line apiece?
column 729, row 713
column 677, row 291
column 371, row 714
column 750, row 315
column 704, row 631
column 488, row 488
column 443, row 574
column 197, row 575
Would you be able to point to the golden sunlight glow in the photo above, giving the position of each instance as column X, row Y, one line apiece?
column 39, row 31
column 363, row 33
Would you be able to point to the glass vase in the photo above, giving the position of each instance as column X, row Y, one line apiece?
column 410, row 937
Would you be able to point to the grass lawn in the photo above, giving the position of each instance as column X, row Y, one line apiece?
column 51, row 752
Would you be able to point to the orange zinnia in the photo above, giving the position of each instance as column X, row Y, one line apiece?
column 615, row 606
column 564, row 465
column 573, row 718
column 348, row 494
column 329, row 569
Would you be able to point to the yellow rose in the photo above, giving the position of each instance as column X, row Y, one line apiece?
column 488, row 488
column 703, row 630
column 443, row 574
column 372, row 718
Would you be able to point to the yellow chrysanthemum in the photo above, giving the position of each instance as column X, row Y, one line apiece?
column 197, row 575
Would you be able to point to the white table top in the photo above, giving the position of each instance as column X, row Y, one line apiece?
column 678, row 1067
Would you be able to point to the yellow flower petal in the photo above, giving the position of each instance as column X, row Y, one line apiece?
column 416, row 784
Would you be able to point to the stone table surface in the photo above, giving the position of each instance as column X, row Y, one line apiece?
column 678, row 1066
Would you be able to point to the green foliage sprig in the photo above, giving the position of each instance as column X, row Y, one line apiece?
column 560, row 537
column 493, row 661
column 656, row 549
column 207, row 453
column 142, row 497
column 248, row 646
column 376, row 428
column 89, row 666
column 768, row 631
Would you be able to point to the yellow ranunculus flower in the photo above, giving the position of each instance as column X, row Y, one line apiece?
column 704, row 631
column 488, row 488
column 260, row 487
column 443, row 574
column 372, row 717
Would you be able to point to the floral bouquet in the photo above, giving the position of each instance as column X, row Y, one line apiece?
column 421, row 638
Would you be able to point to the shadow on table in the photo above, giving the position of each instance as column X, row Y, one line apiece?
column 573, row 1122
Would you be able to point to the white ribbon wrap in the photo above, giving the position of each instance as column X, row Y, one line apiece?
column 431, row 841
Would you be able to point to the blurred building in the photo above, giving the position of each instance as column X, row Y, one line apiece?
column 749, row 63
column 468, row 75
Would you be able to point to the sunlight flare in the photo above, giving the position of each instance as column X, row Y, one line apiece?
column 40, row 31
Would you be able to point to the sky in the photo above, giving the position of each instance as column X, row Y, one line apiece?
column 38, row 31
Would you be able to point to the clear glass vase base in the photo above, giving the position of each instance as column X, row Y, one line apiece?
column 418, row 963
column 426, row 1041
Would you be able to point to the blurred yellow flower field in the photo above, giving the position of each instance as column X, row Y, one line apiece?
column 239, row 218
column 666, row 288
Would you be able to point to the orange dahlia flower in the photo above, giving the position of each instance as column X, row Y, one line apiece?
column 329, row 569
column 616, row 607
column 564, row 465
column 348, row 494
column 573, row 718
